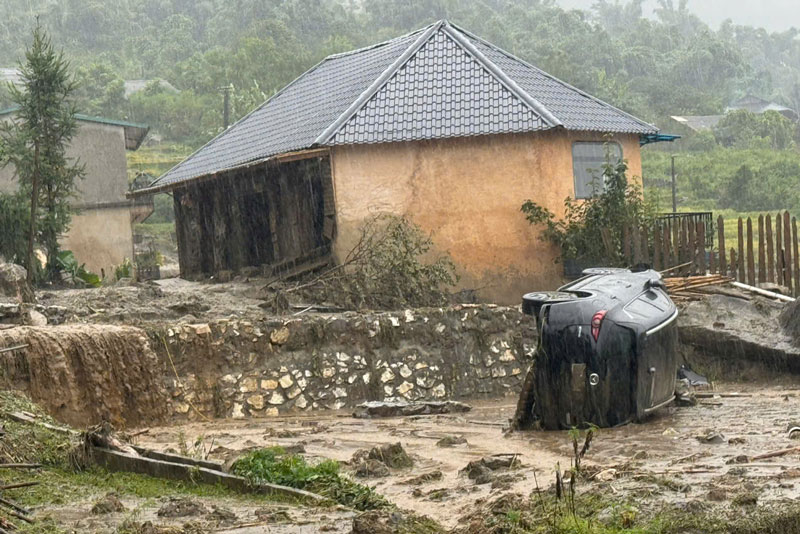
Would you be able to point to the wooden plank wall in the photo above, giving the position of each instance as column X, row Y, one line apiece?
column 765, row 249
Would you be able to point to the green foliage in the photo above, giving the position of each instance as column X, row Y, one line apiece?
column 274, row 466
column 123, row 270
column 35, row 143
column 75, row 272
column 744, row 129
column 591, row 231
column 14, row 222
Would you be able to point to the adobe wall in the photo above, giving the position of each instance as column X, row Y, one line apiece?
column 238, row 368
column 101, row 238
column 468, row 192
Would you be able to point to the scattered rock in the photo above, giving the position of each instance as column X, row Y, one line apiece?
column 389, row 522
column 481, row 471
column 424, row 478
column 737, row 441
column 372, row 409
column 273, row 515
column 711, row 437
column 14, row 284
column 451, row 441
column 606, row 475
column 371, row 468
column 34, row 318
column 181, row 507
column 390, row 454
column 221, row 516
column 108, row 505
column 717, row 495
column 279, row 336
column 745, row 499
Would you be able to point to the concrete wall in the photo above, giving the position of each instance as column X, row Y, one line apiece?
column 468, row 192
column 101, row 235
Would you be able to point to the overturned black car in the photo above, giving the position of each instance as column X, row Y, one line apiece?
column 607, row 351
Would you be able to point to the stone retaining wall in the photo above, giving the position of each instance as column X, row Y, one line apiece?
column 237, row 368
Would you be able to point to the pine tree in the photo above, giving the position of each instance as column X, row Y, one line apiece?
column 34, row 141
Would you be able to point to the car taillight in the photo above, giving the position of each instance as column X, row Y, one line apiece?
column 597, row 320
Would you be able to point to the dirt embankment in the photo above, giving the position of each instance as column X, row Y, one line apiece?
column 83, row 374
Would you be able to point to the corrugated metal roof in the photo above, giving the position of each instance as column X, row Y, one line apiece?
column 434, row 83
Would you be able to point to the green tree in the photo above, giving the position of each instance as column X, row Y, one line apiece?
column 35, row 142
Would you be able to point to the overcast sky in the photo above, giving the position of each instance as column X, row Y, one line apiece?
column 774, row 15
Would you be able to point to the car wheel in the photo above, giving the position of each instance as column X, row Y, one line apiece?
column 533, row 302
column 604, row 270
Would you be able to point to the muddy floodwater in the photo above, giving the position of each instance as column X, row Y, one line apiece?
column 679, row 455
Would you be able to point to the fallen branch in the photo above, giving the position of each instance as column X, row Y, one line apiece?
column 762, row 292
column 14, row 506
column 18, row 485
column 20, row 466
column 775, row 454
column 17, row 347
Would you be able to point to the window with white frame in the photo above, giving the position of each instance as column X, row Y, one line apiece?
column 588, row 159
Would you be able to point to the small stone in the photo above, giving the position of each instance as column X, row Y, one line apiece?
column 365, row 377
column 352, row 378
column 328, row 372
column 409, row 316
column 404, row 388
column 440, row 328
column 286, row 381
column 498, row 372
column 276, row 398
column 421, row 365
column 269, row 384
column 200, row 329
column 302, row 383
column 494, row 349
column 248, row 385
column 395, row 321
column 387, row 376
column 228, row 379
column 182, row 408
column 36, row 319
column 515, row 371
column 294, row 392
column 439, row 391
column 339, row 393
column 488, row 361
column 256, row 401
column 237, row 412
column 405, row 372
column 342, row 357
column 507, row 356
column 425, row 382
column 301, row 402
column 271, row 411
column 279, row 336
column 388, row 390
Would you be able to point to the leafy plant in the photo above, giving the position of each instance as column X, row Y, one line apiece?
column 592, row 230
column 123, row 270
column 274, row 466
column 75, row 272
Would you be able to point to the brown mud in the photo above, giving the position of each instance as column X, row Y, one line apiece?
column 84, row 374
column 666, row 461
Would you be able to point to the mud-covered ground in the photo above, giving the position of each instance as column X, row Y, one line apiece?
column 681, row 457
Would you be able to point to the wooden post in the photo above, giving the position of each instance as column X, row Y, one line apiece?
column 676, row 243
column 770, row 252
column 778, row 250
column 787, row 249
column 667, row 249
column 734, row 264
column 762, row 266
column 637, row 245
column 701, row 246
column 796, row 257
column 645, row 246
column 723, row 264
column 626, row 244
column 740, row 271
column 657, row 254
column 685, row 245
column 712, row 261
column 751, row 269
column 691, row 247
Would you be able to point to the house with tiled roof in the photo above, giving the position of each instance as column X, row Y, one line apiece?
column 438, row 125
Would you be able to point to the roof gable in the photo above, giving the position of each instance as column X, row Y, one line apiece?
column 438, row 82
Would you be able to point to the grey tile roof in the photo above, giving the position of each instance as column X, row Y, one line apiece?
column 437, row 82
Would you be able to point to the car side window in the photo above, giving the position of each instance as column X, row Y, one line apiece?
column 588, row 159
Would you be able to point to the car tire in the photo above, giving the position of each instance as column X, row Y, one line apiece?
column 533, row 302
column 604, row 270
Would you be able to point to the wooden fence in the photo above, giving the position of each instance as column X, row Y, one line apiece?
column 765, row 251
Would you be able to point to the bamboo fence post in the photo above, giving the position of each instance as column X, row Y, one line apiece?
column 676, row 249
column 657, row 254
column 751, row 269
column 796, row 257
column 762, row 266
column 778, row 250
column 667, row 249
column 787, row 249
column 734, row 264
column 691, row 247
column 770, row 252
column 740, row 271
column 637, row 245
column 626, row 243
column 712, row 261
column 685, row 258
column 723, row 264
column 645, row 245
column 701, row 246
